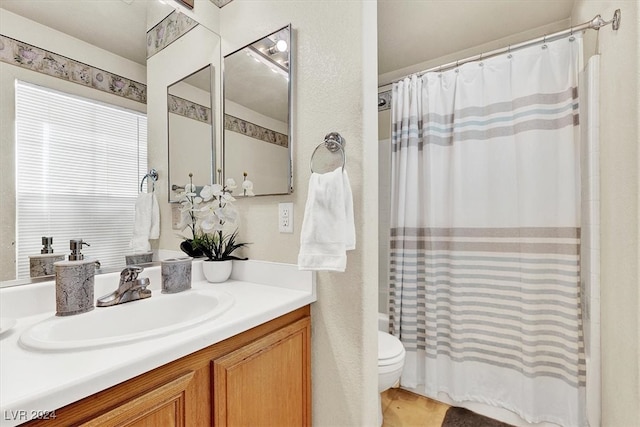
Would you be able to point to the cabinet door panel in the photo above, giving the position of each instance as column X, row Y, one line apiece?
column 163, row 406
column 265, row 383
column 166, row 416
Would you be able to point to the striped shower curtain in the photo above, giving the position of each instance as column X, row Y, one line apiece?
column 485, row 233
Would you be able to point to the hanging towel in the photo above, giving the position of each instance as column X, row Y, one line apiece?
column 147, row 222
column 328, row 228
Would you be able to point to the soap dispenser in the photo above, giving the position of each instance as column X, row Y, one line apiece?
column 42, row 265
column 74, row 282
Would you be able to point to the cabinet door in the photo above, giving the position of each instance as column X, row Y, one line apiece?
column 267, row 382
column 163, row 406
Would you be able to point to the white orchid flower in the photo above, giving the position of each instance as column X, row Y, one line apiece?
column 206, row 211
column 247, row 188
column 208, row 218
column 231, row 183
column 210, row 224
column 184, row 196
column 227, row 214
column 217, row 189
column 227, row 197
column 186, row 206
column 190, row 189
column 207, row 193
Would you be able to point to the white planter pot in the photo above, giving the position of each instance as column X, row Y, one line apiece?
column 217, row 271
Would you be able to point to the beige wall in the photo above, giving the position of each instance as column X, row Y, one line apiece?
column 334, row 90
column 619, row 193
column 38, row 35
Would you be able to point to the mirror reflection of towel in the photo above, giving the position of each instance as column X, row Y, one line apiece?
column 328, row 228
column 147, row 222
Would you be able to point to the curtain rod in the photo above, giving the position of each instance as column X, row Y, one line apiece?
column 595, row 24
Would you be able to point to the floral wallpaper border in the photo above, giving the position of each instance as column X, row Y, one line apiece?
column 221, row 3
column 384, row 101
column 165, row 32
column 252, row 130
column 189, row 109
column 16, row 52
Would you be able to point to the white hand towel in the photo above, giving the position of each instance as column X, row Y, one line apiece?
column 154, row 233
column 328, row 228
column 350, row 226
column 146, row 222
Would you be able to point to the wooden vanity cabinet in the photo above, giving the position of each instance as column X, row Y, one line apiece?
column 261, row 377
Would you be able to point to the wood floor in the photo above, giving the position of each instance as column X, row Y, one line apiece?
column 401, row 408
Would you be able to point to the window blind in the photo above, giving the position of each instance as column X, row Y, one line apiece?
column 79, row 163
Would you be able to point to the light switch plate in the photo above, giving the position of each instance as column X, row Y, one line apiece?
column 285, row 217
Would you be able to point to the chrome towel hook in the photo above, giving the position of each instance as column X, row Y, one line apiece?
column 333, row 142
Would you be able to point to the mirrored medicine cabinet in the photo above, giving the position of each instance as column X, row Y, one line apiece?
column 257, row 141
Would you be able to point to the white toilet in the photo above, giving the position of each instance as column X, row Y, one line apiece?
column 391, row 354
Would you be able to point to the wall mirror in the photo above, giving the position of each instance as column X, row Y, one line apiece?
column 112, row 36
column 91, row 53
column 191, row 129
column 188, row 73
column 257, row 114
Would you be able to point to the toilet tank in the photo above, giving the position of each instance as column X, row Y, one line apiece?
column 383, row 322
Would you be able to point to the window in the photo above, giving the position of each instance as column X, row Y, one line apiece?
column 79, row 164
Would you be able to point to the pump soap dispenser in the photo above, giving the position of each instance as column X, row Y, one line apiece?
column 42, row 265
column 74, row 282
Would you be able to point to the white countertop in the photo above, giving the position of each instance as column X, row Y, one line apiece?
column 33, row 382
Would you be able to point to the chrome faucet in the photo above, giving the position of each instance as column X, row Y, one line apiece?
column 130, row 288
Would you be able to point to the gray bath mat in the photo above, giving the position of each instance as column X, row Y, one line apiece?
column 461, row 417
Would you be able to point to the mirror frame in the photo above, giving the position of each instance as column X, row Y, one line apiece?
column 213, row 159
column 290, row 59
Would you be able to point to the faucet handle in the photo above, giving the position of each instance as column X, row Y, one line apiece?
column 130, row 273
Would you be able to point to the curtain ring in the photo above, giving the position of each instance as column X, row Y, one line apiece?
column 544, row 41
column 571, row 38
column 509, row 52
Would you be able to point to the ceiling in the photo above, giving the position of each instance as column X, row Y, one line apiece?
column 409, row 31
column 416, row 31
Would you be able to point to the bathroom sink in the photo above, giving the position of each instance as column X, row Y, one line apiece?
column 133, row 321
column 6, row 323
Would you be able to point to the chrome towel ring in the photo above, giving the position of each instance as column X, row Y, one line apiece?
column 333, row 142
column 153, row 174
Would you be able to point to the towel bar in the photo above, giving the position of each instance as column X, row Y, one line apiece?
column 333, row 142
column 153, row 174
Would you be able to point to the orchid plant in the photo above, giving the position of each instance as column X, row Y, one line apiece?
column 208, row 215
